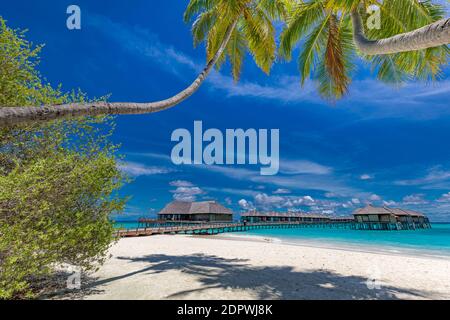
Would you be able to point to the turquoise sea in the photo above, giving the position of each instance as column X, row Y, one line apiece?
column 126, row 224
column 434, row 241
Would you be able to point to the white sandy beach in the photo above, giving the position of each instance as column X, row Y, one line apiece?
column 184, row 267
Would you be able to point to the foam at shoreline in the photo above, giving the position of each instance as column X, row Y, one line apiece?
column 339, row 245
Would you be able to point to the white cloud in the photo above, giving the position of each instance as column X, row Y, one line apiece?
column 282, row 191
column 414, row 199
column 347, row 205
column 374, row 197
column 187, row 193
column 262, row 200
column 137, row 169
column 303, row 167
column 286, row 88
column 409, row 99
column 181, row 183
column 315, row 177
column 374, row 99
column 235, row 191
column 390, row 203
column 444, row 198
column 365, row 177
column 267, row 202
column 435, row 178
column 246, row 205
column 145, row 44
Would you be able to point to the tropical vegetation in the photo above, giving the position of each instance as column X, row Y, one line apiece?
column 58, row 182
column 410, row 43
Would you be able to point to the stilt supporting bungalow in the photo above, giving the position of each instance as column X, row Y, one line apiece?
column 384, row 218
column 208, row 218
column 205, row 211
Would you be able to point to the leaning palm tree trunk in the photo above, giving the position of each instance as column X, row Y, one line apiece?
column 10, row 116
column 432, row 35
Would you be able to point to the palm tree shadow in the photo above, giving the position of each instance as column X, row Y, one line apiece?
column 267, row 282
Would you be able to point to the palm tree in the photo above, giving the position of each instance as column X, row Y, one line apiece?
column 230, row 28
column 431, row 35
column 331, row 32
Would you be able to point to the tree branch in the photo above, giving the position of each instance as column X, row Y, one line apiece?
column 432, row 35
column 10, row 116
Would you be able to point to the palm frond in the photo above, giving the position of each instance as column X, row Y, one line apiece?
column 312, row 49
column 303, row 17
column 203, row 25
column 275, row 9
column 195, row 7
column 214, row 40
column 334, row 59
column 334, row 71
column 236, row 52
column 387, row 70
column 260, row 35
column 402, row 16
column 342, row 5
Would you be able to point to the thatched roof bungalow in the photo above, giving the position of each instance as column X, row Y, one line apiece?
column 401, row 218
column 404, row 215
column 207, row 211
column 374, row 214
column 255, row 217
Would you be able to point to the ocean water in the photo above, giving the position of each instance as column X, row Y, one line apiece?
column 434, row 241
column 126, row 224
column 134, row 224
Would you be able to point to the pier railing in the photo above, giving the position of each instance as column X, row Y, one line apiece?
column 216, row 228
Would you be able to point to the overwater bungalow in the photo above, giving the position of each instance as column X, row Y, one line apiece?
column 374, row 216
column 256, row 217
column 204, row 211
column 410, row 219
column 367, row 218
column 384, row 218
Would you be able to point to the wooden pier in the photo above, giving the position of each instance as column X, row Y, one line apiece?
column 217, row 228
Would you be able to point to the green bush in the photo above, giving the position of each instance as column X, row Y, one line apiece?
column 58, row 182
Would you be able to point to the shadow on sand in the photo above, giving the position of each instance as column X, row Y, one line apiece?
column 267, row 282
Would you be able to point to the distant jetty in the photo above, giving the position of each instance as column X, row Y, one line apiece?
column 209, row 217
column 367, row 218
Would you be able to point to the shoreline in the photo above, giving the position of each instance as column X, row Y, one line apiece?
column 340, row 245
column 206, row 268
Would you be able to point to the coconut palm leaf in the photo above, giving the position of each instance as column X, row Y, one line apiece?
column 260, row 35
column 202, row 25
column 236, row 52
column 195, row 7
column 303, row 17
column 399, row 17
column 332, row 61
column 312, row 49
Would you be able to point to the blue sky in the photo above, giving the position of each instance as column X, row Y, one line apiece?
column 380, row 144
